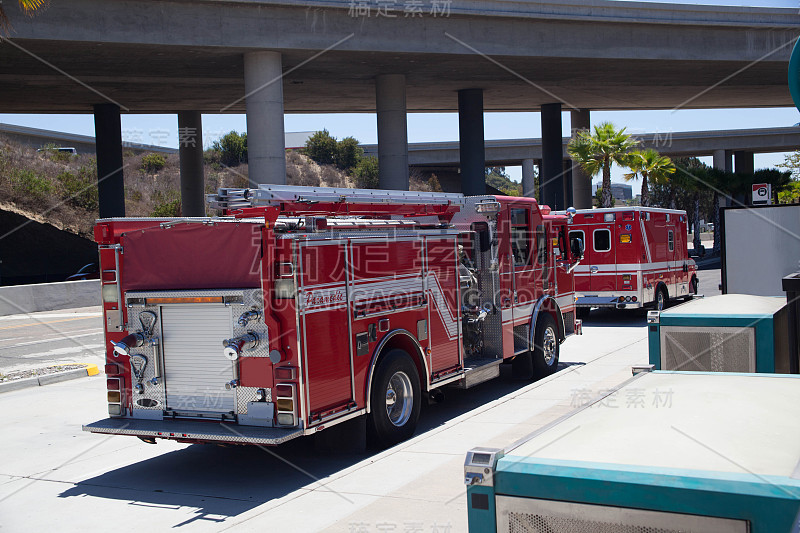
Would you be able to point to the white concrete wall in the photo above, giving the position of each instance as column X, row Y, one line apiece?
column 18, row 299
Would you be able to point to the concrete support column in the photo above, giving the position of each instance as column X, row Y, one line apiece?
column 581, row 182
column 263, row 86
column 566, row 164
column 723, row 160
column 190, row 151
column 390, row 100
column 108, row 139
column 743, row 161
column 470, row 142
column 551, row 178
column 529, row 179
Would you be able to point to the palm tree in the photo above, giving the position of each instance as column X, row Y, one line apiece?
column 650, row 165
column 595, row 152
column 29, row 7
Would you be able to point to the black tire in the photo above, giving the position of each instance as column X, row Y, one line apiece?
column 522, row 366
column 546, row 347
column 390, row 423
column 582, row 312
column 660, row 301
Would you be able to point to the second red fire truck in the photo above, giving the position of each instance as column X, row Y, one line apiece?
column 301, row 308
column 634, row 257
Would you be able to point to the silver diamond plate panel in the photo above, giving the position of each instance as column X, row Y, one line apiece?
column 493, row 323
column 528, row 515
column 248, row 394
column 251, row 299
column 708, row 349
column 194, row 430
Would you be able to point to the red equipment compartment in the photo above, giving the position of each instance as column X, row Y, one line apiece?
column 193, row 256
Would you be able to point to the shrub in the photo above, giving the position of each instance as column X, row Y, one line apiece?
column 348, row 153
column 167, row 209
column 80, row 189
column 28, row 183
column 331, row 176
column 322, row 148
column 366, row 173
column 51, row 151
column 232, row 148
column 434, row 185
column 152, row 163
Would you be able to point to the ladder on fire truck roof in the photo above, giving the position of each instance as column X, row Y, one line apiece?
column 271, row 195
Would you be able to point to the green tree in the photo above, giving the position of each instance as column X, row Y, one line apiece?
column 322, row 148
column 366, row 173
column 649, row 165
column 348, row 153
column 232, row 148
column 791, row 162
column 152, row 163
column 498, row 178
column 596, row 152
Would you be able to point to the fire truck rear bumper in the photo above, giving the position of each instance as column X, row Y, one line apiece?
column 194, row 431
column 605, row 301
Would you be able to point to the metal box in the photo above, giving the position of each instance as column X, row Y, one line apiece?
column 726, row 333
column 664, row 452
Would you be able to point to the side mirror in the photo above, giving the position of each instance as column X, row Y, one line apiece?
column 576, row 247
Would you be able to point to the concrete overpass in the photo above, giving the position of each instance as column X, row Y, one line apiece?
column 725, row 146
column 267, row 57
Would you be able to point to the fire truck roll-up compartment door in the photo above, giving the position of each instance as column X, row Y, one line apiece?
column 444, row 303
column 325, row 323
column 196, row 370
column 601, row 252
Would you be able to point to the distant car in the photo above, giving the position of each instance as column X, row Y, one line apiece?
column 62, row 149
column 89, row 271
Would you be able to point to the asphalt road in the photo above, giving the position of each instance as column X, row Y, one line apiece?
column 49, row 338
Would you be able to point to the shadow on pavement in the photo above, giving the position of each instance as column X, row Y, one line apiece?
column 222, row 482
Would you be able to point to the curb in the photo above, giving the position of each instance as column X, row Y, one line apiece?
column 47, row 379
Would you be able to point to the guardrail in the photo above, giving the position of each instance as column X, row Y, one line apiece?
column 20, row 299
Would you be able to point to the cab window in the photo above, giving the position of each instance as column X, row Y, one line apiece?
column 541, row 245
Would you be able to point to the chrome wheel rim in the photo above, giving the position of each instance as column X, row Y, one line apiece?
column 549, row 344
column 399, row 398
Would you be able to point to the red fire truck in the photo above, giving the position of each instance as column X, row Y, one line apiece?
column 301, row 308
column 634, row 257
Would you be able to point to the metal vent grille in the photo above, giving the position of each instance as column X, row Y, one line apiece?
column 530, row 515
column 708, row 349
column 535, row 523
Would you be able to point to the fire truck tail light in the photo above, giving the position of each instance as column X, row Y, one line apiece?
column 284, row 373
column 109, row 292
column 625, row 238
column 626, row 277
column 285, row 289
column 609, row 217
column 114, row 396
column 114, row 409
column 633, row 298
column 285, row 419
column 284, row 391
column 112, row 384
column 113, row 369
column 285, row 404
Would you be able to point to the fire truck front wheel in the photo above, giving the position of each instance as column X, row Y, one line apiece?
column 394, row 399
column 545, row 347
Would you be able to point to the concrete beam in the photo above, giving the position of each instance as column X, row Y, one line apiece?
column 743, row 161
column 110, row 180
column 581, row 182
column 263, row 85
column 390, row 102
column 471, row 142
column 529, row 179
column 551, row 178
column 723, row 160
column 190, row 150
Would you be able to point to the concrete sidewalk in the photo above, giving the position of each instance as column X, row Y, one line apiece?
column 49, row 463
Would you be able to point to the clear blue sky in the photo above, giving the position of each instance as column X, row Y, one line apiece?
column 162, row 129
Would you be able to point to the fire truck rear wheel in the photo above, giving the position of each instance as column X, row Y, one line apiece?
column 545, row 347
column 395, row 400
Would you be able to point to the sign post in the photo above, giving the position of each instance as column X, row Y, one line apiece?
column 762, row 194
